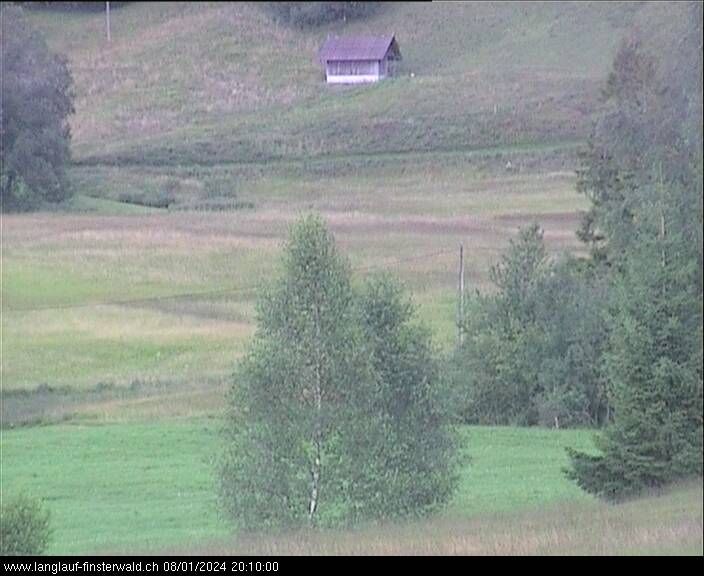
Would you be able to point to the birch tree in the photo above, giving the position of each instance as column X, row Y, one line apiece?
column 412, row 469
column 299, row 392
column 336, row 413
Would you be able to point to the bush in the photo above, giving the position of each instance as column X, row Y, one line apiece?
column 24, row 527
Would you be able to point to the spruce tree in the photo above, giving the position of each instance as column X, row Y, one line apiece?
column 652, row 238
column 654, row 376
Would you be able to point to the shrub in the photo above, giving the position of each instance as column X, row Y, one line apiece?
column 533, row 350
column 24, row 527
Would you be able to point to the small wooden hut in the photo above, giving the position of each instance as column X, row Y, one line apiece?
column 358, row 59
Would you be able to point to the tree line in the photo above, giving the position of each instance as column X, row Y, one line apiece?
column 614, row 339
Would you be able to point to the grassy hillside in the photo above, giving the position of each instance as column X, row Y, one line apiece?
column 223, row 83
column 663, row 525
column 184, row 88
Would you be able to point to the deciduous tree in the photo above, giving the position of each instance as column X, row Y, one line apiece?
column 334, row 412
column 35, row 104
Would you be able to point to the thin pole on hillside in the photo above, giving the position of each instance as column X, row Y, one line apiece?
column 661, row 190
column 460, row 305
column 107, row 19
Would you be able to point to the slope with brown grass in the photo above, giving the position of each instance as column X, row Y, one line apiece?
column 669, row 523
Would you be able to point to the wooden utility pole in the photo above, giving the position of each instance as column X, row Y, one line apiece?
column 662, row 214
column 460, row 303
column 107, row 19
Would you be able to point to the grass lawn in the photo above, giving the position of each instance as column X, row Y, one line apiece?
column 514, row 468
column 118, row 486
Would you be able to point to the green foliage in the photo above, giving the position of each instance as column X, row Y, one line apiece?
column 415, row 471
column 613, row 167
column 570, row 314
column 294, row 394
column 533, row 349
column 518, row 273
column 24, row 527
column 654, row 374
column 318, row 13
column 495, row 365
column 651, row 235
column 316, row 426
column 36, row 101
column 647, row 134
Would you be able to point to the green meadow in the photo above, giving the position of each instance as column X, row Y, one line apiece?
column 170, row 295
column 201, row 132
column 149, row 486
column 150, row 483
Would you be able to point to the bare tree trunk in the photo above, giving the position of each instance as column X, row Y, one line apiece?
column 662, row 218
column 318, row 433
column 315, row 477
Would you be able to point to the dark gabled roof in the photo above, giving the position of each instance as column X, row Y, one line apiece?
column 359, row 48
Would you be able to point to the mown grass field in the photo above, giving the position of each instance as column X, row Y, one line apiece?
column 149, row 486
column 151, row 483
column 201, row 132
